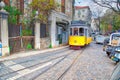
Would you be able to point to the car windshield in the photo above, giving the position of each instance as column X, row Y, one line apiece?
column 116, row 37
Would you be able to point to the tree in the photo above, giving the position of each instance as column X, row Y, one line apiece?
column 13, row 12
column 106, row 20
column 112, row 18
column 116, row 22
column 111, row 4
column 44, row 8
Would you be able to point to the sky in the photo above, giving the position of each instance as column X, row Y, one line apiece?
column 83, row 2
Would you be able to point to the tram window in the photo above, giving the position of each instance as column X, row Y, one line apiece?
column 89, row 33
column 81, row 31
column 75, row 31
column 85, row 32
column 70, row 31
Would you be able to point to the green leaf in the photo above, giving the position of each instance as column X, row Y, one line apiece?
column 13, row 13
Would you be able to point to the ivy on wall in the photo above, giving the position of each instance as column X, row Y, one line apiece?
column 13, row 13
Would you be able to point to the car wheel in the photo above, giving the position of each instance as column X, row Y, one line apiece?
column 104, row 48
column 117, row 62
column 108, row 53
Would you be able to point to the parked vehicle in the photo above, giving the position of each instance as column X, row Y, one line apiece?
column 100, row 39
column 115, row 54
column 108, row 49
column 116, row 73
column 105, row 43
column 93, row 34
column 113, row 48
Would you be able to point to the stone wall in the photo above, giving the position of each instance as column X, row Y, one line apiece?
column 44, row 42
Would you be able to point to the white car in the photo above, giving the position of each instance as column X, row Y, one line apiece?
column 100, row 39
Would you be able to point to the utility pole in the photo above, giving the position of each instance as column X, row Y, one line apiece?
column 73, row 12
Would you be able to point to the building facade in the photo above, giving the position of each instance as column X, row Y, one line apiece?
column 82, row 13
column 59, row 21
column 94, row 25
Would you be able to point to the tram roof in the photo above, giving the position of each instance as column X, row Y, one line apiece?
column 79, row 23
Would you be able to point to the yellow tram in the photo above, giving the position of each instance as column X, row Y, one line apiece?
column 79, row 35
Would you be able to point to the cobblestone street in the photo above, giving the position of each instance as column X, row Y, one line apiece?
column 89, row 63
column 93, row 64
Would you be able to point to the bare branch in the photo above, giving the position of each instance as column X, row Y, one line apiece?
column 111, row 4
column 118, row 5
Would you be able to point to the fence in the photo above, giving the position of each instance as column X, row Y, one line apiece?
column 19, row 42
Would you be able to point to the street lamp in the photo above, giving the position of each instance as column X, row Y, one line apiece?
column 36, row 14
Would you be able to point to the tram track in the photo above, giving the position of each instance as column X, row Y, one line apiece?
column 36, row 64
column 73, row 62
column 55, row 58
column 63, row 74
column 36, row 58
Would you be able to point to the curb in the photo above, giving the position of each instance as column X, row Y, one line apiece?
column 29, row 53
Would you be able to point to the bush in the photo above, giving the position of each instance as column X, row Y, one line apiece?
column 26, row 32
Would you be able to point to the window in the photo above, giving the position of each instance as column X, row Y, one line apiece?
column 20, row 5
column 70, row 31
column 82, row 16
column 115, row 37
column 63, row 6
column 83, row 10
column 75, row 31
column 79, row 13
column 81, row 31
column 85, row 32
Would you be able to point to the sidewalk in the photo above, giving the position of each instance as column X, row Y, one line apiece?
column 28, row 53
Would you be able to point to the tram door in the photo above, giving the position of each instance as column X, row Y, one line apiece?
column 71, row 31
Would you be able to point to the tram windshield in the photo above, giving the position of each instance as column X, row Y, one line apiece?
column 77, row 31
column 81, row 31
